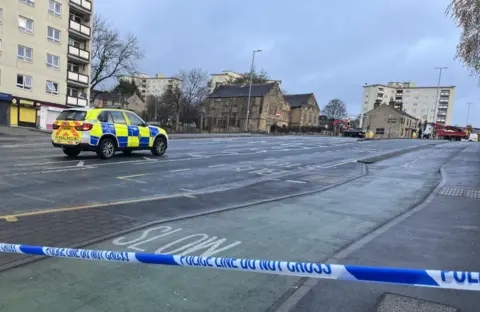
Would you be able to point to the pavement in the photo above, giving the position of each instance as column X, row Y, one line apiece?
column 441, row 234
column 281, row 198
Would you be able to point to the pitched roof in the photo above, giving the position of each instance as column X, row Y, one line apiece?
column 227, row 91
column 393, row 109
column 297, row 100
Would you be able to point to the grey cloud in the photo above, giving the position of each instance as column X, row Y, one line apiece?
column 329, row 47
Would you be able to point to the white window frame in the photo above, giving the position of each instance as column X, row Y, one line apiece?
column 25, row 85
column 24, row 57
column 53, row 6
column 53, row 39
column 49, row 90
column 29, row 2
column 25, row 29
column 52, row 64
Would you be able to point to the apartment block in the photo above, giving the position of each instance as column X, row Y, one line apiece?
column 45, row 59
column 153, row 86
column 431, row 103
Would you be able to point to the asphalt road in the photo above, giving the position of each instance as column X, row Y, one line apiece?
column 58, row 201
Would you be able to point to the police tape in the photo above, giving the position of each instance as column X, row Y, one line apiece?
column 413, row 277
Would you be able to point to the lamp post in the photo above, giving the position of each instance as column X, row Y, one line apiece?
column 440, row 69
column 468, row 112
column 250, row 89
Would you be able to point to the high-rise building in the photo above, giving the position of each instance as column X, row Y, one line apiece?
column 434, row 104
column 153, row 86
column 45, row 59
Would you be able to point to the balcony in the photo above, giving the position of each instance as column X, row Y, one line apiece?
column 80, row 30
column 82, row 5
column 77, row 79
column 78, row 54
column 75, row 101
column 443, row 100
column 444, row 93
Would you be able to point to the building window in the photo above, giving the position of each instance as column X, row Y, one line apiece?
column 24, row 82
column 53, row 35
column 380, row 131
column 73, row 68
column 75, row 18
column 54, row 8
column 1, row 16
column 29, row 2
column 25, row 25
column 51, row 87
column 53, row 61
column 25, row 54
column 74, row 43
column 73, row 92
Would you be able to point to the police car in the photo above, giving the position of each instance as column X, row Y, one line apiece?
column 106, row 131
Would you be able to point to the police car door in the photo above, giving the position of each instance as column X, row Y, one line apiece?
column 139, row 128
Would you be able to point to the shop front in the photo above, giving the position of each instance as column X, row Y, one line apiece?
column 23, row 113
column 5, row 100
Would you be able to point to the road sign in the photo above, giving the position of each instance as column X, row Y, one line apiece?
column 277, row 114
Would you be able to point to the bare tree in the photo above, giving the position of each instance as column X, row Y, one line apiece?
column 466, row 14
column 194, row 86
column 335, row 109
column 112, row 54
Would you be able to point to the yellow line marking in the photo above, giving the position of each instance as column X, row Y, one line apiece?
column 14, row 217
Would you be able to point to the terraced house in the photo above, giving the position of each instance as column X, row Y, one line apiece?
column 45, row 59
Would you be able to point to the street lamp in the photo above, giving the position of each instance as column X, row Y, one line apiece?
column 440, row 69
column 250, row 88
column 468, row 112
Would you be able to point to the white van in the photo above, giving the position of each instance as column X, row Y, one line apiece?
column 473, row 137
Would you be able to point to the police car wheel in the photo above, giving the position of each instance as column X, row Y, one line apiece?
column 106, row 148
column 159, row 147
column 71, row 151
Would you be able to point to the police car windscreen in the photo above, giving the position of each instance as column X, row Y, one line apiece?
column 72, row 115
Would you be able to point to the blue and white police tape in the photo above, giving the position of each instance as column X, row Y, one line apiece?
column 413, row 277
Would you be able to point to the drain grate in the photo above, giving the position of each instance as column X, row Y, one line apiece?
column 460, row 192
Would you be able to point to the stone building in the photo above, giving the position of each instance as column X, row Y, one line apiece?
column 387, row 122
column 112, row 99
column 226, row 108
column 304, row 110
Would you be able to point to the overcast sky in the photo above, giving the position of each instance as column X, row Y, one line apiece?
column 330, row 48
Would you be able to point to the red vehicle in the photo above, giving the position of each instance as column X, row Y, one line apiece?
column 449, row 133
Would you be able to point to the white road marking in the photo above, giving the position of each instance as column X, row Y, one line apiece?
column 339, row 164
column 216, row 166
column 295, row 181
column 31, row 197
column 80, row 163
column 187, row 190
column 44, row 163
column 147, row 158
column 180, row 170
column 129, row 178
column 189, row 196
